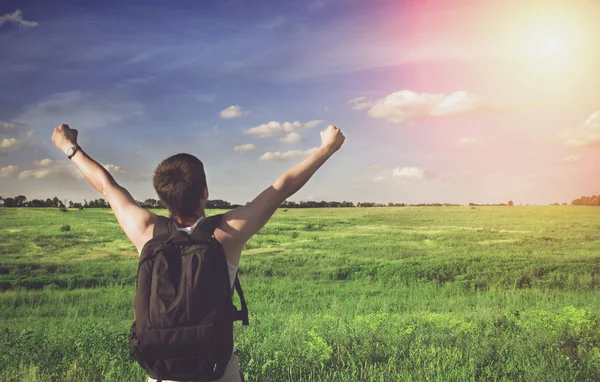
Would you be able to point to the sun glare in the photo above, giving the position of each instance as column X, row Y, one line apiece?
column 554, row 40
column 551, row 45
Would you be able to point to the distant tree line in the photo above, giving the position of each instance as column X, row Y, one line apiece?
column 313, row 204
column 593, row 200
column 509, row 204
column 21, row 201
column 210, row 204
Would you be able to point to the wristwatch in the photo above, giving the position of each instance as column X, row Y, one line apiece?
column 71, row 151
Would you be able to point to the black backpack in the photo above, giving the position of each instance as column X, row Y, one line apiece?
column 184, row 312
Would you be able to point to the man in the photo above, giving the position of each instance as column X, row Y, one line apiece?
column 180, row 183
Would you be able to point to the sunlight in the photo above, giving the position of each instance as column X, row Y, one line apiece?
column 552, row 45
column 557, row 41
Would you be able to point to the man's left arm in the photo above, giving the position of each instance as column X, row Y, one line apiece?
column 133, row 219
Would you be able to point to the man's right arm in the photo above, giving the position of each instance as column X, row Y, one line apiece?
column 240, row 224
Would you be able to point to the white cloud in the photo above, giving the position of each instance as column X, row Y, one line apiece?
column 17, row 18
column 51, row 169
column 143, row 177
column 83, row 110
column 292, row 137
column 587, row 134
column 398, row 173
column 457, row 103
column 280, row 156
column 312, row 124
column 406, row 105
column 568, row 159
column 233, row 111
column 408, row 173
column 35, row 174
column 44, row 162
column 8, row 171
column 7, row 126
column 360, row 103
column 273, row 128
column 244, row 148
column 113, row 168
column 9, row 144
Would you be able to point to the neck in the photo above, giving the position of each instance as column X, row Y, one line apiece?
column 188, row 220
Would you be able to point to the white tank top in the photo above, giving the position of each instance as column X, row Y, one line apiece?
column 230, row 267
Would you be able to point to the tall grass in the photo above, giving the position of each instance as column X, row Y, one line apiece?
column 377, row 294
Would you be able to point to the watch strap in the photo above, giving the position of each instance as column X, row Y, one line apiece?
column 75, row 149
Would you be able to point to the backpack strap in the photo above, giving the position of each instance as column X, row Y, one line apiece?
column 209, row 224
column 240, row 315
column 162, row 226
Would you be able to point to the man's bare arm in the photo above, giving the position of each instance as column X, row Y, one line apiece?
column 133, row 219
column 241, row 223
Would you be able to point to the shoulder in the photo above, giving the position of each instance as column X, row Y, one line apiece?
column 232, row 247
column 147, row 234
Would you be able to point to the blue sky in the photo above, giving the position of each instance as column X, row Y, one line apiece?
column 437, row 120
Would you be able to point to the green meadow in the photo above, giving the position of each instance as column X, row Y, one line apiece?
column 335, row 294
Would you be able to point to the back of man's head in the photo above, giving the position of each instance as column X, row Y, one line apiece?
column 179, row 182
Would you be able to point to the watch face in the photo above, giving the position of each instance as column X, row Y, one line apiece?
column 70, row 151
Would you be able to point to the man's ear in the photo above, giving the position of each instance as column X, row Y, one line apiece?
column 205, row 193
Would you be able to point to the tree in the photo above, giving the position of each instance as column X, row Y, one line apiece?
column 593, row 200
column 9, row 202
column 20, row 200
column 510, row 203
column 152, row 203
column 37, row 203
column 218, row 203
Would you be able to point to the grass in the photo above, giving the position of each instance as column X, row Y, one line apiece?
column 363, row 294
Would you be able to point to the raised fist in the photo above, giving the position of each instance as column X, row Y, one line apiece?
column 64, row 137
column 332, row 138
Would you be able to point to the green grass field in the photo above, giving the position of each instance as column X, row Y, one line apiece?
column 361, row 294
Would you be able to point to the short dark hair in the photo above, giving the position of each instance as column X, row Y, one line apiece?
column 179, row 182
